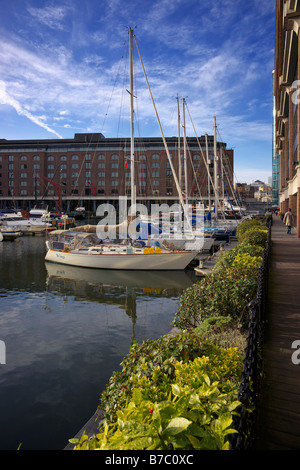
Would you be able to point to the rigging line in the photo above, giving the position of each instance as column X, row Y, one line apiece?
column 204, row 159
column 164, row 140
column 227, row 195
column 194, row 173
column 226, row 170
column 237, row 199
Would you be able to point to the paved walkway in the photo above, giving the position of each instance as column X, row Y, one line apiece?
column 279, row 405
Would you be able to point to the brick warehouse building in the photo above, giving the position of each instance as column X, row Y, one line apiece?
column 287, row 111
column 90, row 169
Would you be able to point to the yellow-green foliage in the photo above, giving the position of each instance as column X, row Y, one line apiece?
column 246, row 225
column 197, row 412
column 247, row 261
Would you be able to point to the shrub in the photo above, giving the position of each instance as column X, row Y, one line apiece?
column 247, row 261
column 223, row 332
column 255, row 238
column 227, row 257
column 223, row 293
column 246, row 225
column 197, row 412
column 140, row 362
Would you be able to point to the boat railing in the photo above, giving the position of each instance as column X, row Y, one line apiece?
column 252, row 366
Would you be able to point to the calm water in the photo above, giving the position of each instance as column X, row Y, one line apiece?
column 66, row 330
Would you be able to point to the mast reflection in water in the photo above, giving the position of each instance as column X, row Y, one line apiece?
column 66, row 330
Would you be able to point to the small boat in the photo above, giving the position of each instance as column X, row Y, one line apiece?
column 10, row 233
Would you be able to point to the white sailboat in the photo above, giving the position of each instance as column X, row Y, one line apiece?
column 77, row 248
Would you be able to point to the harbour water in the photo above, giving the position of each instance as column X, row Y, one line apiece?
column 65, row 331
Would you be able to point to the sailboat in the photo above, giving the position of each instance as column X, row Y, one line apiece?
column 85, row 249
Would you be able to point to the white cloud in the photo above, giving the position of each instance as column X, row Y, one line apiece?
column 51, row 16
column 6, row 99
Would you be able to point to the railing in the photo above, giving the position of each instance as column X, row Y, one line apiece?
column 252, row 369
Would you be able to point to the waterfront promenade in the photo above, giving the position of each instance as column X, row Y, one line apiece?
column 278, row 424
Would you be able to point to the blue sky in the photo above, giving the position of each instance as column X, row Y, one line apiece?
column 64, row 69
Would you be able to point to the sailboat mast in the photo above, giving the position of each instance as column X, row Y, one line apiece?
column 132, row 173
column 165, row 143
column 216, row 170
column 208, row 179
column 184, row 152
column 179, row 146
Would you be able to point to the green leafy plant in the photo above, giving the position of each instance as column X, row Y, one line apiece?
column 139, row 363
column 197, row 412
column 247, row 261
column 223, row 293
column 223, row 332
column 227, row 257
column 246, row 225
column 255, row 238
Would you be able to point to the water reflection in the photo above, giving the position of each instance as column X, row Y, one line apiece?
column 66, row 329
column 115, row 287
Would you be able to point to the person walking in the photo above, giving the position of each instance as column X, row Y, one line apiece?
column 288, row 220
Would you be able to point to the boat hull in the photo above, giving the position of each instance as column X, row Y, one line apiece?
column 156, row 262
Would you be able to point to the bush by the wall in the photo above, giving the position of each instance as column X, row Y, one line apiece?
column 227, row 257
column 142, row 359
column 196, row 411
column 255, row 238
column 246, row 225
column 222, row 293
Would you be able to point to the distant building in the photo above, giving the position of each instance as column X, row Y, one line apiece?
column 90, row 169
column 286, row 107
column 245, row 192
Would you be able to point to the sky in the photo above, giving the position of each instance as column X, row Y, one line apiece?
column 64, row 70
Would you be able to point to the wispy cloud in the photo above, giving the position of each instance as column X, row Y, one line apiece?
column 8, row 100
column 50, row 16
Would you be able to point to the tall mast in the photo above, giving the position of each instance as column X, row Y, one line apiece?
column 165, row 144
column 179, row 146
column 216, row 183
column 132, row 174
column 208, row 179
column 184, row 152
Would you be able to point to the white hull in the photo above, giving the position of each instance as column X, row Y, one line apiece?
column 7, row 234
column 26, row 223
column 124, row 261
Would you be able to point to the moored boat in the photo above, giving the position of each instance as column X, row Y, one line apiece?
column 10, row 233
column 86, row 250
